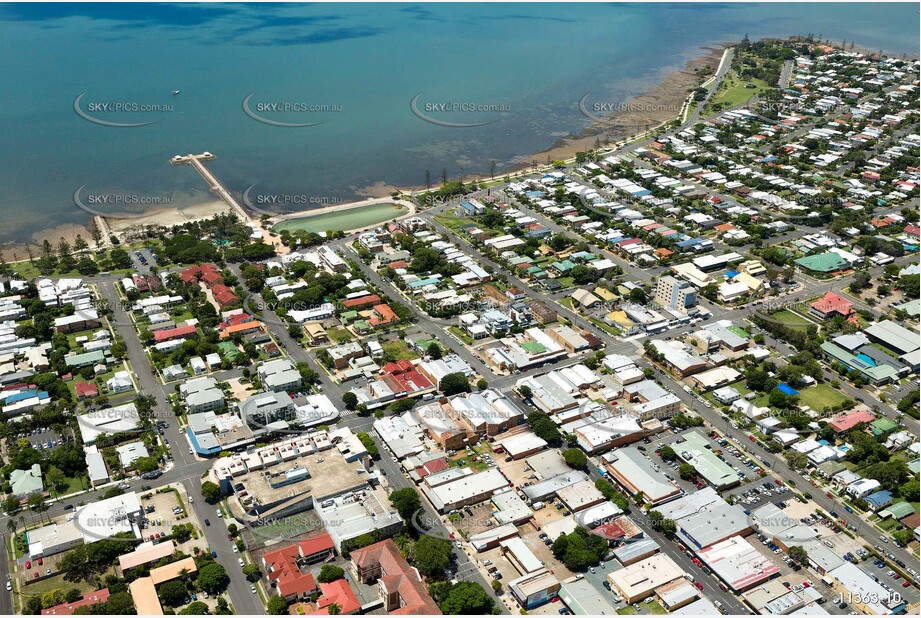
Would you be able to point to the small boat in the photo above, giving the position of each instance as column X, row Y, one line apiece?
column 175, row 92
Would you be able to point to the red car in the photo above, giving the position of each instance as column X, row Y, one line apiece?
column 906, row 584
column 35, row 575
column 28, row 564
column 778, row 482
column 828, row 495
column 752, row 438
column 696, row 562
column 229, row 537
column 699, row 585
column 40, row 561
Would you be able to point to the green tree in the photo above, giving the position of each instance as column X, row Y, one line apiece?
column 434, row 350
column 661, row 523
column 212, row 578
column 796, row 460
column 454, row 383
column 575, row 458
column 798, row 554
column 465, row 599
column 10, row 504
column 118, row 603
column 406, row 501
column 251, row 571
column 144, row 465
column 172, row 593
column 667, row 453
column 223, row 609
column 686, row 471
column 333, row 609
column 195, row 608
column 431, row 555
column 211, row 492
column 330, row 573
column 277, row 606
column 350, row 400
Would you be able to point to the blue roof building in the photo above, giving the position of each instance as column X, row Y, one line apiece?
column 879, row 499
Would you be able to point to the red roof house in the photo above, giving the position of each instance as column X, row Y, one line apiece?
column 224, row 295
column 404, row 593
column 67, row 609
column 168, row 334
column 846, row 421
column 283, row 565
column 361, row 302
column 340, row 593
column 85, row 389
column 831, row 305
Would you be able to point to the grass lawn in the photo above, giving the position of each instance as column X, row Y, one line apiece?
column 793, row 320
column 282, row 530
column 566, row 282
column 605, row 327
column 887, row 524
column 822, row 395
column 56, row 582
column 654, row 608
column 72, row 337
column 453, row 223
column 733, row 90
column 75, row 484
column 398, row 350
column 627, row 611
column 338, row 335
column 457, row 332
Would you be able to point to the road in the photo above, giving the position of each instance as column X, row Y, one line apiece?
column 186, row 469
column 710, row 583
column 243, row 600
column 465, row 568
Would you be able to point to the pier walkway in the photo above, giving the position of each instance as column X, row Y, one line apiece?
column 197, row 162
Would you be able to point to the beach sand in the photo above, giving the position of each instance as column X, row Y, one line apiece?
column 171, row 216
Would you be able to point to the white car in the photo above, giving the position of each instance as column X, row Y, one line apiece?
column 9, row 586
column 252, row 589
column 234, row 548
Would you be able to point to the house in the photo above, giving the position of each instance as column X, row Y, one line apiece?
column 879, row 499
column 85, row 390
column 586, row 298
column 283, row 566
column 832, row 305
column 67, row 609
column 400, row 585
column 27, row 482
column 120, row 383
column 340, row 594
